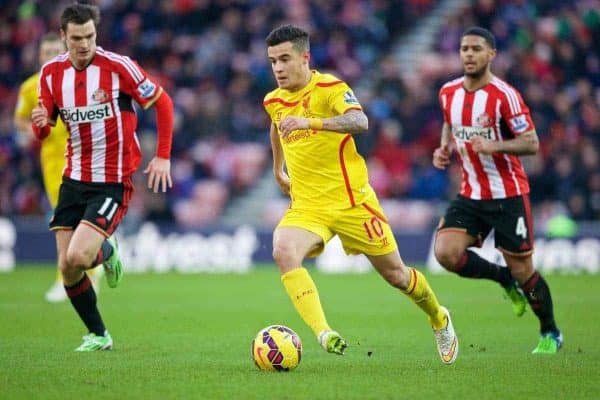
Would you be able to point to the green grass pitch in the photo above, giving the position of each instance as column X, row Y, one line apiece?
column 188, row 336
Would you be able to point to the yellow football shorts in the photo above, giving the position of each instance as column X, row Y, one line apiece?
column 363, row 229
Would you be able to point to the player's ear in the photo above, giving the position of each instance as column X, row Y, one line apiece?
column 306, row 57
column 63, row 36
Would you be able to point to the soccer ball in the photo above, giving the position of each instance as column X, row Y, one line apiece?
column 276, row 348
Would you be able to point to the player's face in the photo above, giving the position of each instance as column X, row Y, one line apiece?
column 476, row 55
column 81, row 42
column 289, row 65
column 50, row 49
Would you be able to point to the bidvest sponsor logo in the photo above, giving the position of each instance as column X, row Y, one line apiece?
column 467, row 132
column 92, row 113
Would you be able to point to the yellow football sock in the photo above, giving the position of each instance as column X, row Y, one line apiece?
column 303, row 292
column 422, row 295
column 58, row 276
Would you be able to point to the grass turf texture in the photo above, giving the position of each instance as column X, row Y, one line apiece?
column 188, row 336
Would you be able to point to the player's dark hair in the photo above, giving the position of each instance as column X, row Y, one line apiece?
column 79, row 14
column 289, row 33
column 484, row 33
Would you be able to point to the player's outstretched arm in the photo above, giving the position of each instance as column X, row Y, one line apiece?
column 159, row 168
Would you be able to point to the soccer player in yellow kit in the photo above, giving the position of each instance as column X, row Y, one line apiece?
column 52, row 154
column 313, row 118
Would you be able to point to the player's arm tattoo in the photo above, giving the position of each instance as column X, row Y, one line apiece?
column 525, row 144
column 354, row 121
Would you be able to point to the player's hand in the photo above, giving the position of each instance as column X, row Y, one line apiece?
column 283, row 181
column 441, row 157
column 39, row 115
column 159, row 174
column 290, row 124
column 483, row 146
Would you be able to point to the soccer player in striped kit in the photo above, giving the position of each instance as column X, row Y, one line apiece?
column 489, row 126
column 92, row 90
column 52, row 151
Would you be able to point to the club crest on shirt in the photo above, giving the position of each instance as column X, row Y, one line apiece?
column 306, row 103
column 484, row 120
column 100, row 96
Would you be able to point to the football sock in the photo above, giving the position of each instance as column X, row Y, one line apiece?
column 104, row 253
column 58, row 276
column 422, row 295
column 83, row 298
column 538, row 295
column 473, row 266
column 303, row 293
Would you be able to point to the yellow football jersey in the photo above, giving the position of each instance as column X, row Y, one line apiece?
column 325, row 169
column 52, row 154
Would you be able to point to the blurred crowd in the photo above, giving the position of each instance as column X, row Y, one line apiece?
column 211, row 57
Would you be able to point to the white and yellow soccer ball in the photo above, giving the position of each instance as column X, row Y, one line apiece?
column 277, row 348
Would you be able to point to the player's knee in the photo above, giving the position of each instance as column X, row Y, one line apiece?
column 77, row 260
column 284, row 256
column 448, row 257
column 521, row 269
column 63, row 266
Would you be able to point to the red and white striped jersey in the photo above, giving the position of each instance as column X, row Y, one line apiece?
column 495, row 112
column 96, row 105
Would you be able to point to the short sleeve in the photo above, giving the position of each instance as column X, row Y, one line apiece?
column 516, row 113
column 342, row 99
column 142, row 87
